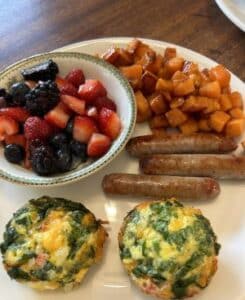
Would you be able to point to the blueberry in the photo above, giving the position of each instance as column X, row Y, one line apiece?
column 69, row 127
column 18, row 91
column 63, row 159
column 36, row 143
column 14, row 153
column 79, row 150
column 59, row 140
column 43, row 160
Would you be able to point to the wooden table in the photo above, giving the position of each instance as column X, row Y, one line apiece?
column 32, row 26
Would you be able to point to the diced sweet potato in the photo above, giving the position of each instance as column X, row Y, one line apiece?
column 182, row 84
column 189, row 127
column 221, row 74
column 176, row 117
column 210, row 89
column 148, row 82
column 196, row 79
column 195, row 104
column 111, row 55
column 124, row 58
column 218, row 120
column 147, row 60
column 159, row 132
column 212, row 106
column 174, row 64
column 169, row 53
column 177, row 102
column 225, row 102
column 236, row 100
column 158, row 122
column 143, row 108
column 133, row 74
column 203, row 125
column 158, row 105
column 166, row 96
column 190, row 67
column 156, row 65
column 235, row 127
column 236, row 113
column 164, row 85
column 243, row 144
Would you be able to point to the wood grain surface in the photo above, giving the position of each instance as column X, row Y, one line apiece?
column 33, row 26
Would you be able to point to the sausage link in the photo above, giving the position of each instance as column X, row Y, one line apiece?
column 156, row 186
column 179, row 143
column 215, row 166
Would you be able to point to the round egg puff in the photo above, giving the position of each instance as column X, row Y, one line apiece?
column 51, row 243
column 168, row 250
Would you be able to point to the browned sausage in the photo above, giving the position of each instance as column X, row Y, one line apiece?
column 216, row 166
column 156, row 186
column 179, row 143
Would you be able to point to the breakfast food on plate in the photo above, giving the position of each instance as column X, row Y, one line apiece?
column 169, row 250
column 216, row 166
column 177, row 143
column 52, row 124
column 51, row 243
column 157, row 186
column 243, row 144
column 171, row 91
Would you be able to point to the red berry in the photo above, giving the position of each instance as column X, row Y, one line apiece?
column 75, row 104
column 101, row 102
column 75, row 77
column 109, row 123
column 91, row 90
column 98, row 145
column 19, row 114
column 58, row 116
column 66, row 87
column 8, row 126
column 18, row 139
column 37, row 128
column 83, row 128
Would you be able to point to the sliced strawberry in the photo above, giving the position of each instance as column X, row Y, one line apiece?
column 37, row 128
column 92, row 112
column 83, row 128
column 66, row 87
column 75, row 104
column 19, row 114
column 98, row 145
column 91, row 90
column 18, row 139
column 75, row 77
column 58, row 116
column 8, row 126
column 109, row 123
column 106, row 102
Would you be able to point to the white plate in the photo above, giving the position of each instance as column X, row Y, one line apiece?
column 234, row 10
column 108, row 280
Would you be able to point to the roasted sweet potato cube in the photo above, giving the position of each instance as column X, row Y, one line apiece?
column 203, row 125
column 190, row 67
column 158, row 122
column 194, row 104
column 166, row 96
column 159, row 132
column 177, row 102
column 225, row 102
column 235, row 127
column 182, row 84
column 147, row 60
column 158, row 104
column 133, row 74
column 111, row 55
column 210, row 89
column 236, row 113
column 156, row 65
column 243, row 145
column 148, row 82
column 174, row 64
column 189, row 127
column 125, row 58
column 218, row 120
column 143, row 107
column 176, row 117
column 236, row 100
column 141, row 50
column 169, row 53
column 164, row 85
column 221, row 74
column 212, row 105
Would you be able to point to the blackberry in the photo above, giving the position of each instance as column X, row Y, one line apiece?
column 59, row 140
column 14, row 153
column 18, row 92
column 36, row 143
column 43, row 160
column 2, row 92
column 44, row 71
column 42, row 98
column 79, row 150
column 63, row 159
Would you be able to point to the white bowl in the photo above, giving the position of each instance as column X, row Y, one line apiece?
column 118, row 89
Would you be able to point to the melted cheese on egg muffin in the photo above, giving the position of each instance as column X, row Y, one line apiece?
column 51, row 243
column 168, row 250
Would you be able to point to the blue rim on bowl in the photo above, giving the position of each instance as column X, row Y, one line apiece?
column 96, row 165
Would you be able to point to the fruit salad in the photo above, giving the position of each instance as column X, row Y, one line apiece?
column 51, row 124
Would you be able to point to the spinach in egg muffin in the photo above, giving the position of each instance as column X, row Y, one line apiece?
column 170, row 251
column 51, row 243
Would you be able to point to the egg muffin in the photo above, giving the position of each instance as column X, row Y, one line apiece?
column 51, row 243
column 169, row 251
